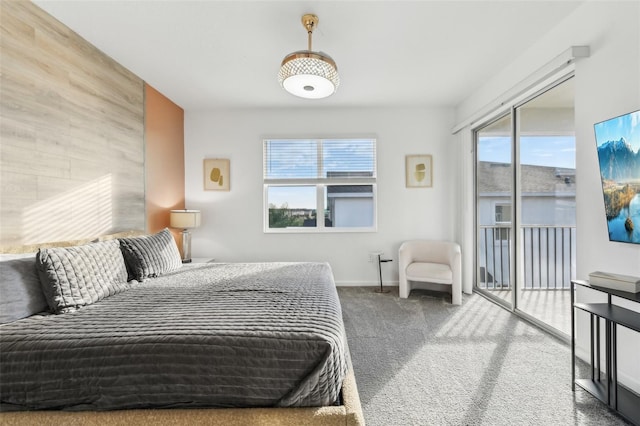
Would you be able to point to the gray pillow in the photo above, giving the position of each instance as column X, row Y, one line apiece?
column 151, row 255
column 20, row 291
column 72, row 277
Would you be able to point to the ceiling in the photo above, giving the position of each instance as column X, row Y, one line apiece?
column 226, row 54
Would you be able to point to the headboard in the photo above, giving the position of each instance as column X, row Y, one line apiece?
column 32, row 248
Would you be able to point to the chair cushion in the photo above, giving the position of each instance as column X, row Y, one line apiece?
column 430, row 272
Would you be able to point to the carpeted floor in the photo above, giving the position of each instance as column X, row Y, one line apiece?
column 422, row 361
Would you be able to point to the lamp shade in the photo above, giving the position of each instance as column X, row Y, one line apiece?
column 309, row 74
column 185, row 219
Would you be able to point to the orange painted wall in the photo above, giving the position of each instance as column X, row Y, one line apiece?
column 164, row 160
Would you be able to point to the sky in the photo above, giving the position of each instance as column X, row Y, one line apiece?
column 626, row 126
column 294, row 196
column 553, row 151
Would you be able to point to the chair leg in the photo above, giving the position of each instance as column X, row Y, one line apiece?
column 456, row 298
column 404, row 289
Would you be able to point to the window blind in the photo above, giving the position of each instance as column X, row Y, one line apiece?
column 320, row 160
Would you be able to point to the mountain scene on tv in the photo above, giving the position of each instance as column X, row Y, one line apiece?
column 618, row 142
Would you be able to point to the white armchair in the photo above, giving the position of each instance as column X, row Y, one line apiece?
column 430, row 262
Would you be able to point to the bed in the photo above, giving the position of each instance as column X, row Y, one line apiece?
column 241, row 343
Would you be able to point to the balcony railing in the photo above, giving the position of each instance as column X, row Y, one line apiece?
column 548, row 257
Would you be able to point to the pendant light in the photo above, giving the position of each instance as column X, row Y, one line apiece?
column 309, row 74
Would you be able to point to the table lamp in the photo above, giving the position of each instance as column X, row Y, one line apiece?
column 186, row 220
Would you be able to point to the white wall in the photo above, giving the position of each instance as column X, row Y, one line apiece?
column 232, row 224
column 607, row 84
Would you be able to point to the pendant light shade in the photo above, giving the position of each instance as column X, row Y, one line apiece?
column 309, row 74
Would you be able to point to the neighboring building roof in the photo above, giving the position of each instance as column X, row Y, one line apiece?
column 497, row 177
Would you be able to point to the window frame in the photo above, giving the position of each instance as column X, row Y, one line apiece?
column 321, row 185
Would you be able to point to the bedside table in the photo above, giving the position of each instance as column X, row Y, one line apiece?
column 202, row 260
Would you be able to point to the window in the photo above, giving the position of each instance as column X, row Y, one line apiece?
column 503, row 220
column 334, row 179
column 503, row 213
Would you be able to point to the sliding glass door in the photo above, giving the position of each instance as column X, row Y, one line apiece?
column 525, row 207
column 545, row 141
column 494, row 197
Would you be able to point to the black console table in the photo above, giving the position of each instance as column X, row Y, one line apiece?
column 604, row 385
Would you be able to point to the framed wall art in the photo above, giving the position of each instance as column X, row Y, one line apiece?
column 216, row 174
column 419, row 171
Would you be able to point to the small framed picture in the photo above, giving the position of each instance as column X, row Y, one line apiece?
column 419, row 171
column 216, row 174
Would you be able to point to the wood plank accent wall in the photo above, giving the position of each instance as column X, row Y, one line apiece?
column 71, row 134
column 164, row 157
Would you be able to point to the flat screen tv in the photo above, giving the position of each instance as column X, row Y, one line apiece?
column 618, row 144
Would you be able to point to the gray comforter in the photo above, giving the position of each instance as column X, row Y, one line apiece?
column 214, row 335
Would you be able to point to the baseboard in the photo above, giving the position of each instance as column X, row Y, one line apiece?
column 366, row 283
column 629, row 381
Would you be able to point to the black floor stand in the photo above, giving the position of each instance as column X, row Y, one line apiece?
column 382, row 289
